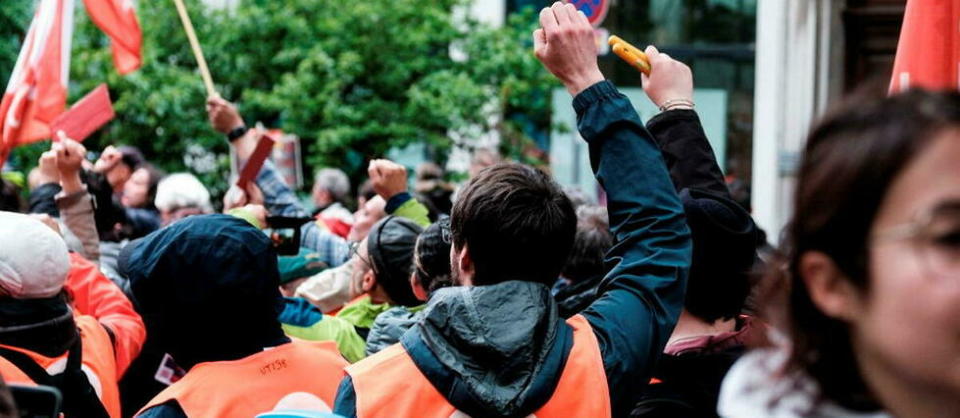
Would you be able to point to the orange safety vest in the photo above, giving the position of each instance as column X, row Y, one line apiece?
column 389, row 384
column 297, row 375
column 97, row 359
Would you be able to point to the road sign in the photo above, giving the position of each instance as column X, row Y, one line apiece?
column 596, row 10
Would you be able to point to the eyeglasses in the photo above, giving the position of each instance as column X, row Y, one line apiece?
column 935, row 236
column 445, row 234
column 355, row 251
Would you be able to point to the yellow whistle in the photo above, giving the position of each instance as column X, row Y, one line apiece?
column 630, row 54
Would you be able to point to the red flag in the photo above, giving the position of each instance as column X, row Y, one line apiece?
column 928, row 54
column 118, row 19
column 37, row 91
column 85, row 116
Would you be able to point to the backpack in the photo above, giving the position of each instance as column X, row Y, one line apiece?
column 79, row 397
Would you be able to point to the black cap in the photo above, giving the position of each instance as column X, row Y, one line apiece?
column 390, row 244
column 724, row 251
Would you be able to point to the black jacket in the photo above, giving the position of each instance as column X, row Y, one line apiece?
column 687, row 152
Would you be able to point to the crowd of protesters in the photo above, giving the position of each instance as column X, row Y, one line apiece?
column 123, row 291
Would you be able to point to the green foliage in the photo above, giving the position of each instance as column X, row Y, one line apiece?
column 14, row 20
column 352, row 79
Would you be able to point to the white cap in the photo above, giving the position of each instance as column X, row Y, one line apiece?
column 33, row 258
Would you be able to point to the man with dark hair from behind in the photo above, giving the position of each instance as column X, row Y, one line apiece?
column 495, row 346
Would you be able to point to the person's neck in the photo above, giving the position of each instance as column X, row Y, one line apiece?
column 902, row 396
column 378, row 296
column 689, row 326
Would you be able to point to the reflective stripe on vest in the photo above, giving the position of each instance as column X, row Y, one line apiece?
column 297, row 375
column 389, row 384
column 98, row 363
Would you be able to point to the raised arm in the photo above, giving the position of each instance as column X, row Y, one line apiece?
column 642, row 295
column 677, row 128
column 389, row 180
column 75, row 203
column 278, row 198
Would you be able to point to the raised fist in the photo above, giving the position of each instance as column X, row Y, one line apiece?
column 70, row 156
column 387, row 177
column 567, row 47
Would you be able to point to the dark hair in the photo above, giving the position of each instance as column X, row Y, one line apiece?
column 155, row 176
column 131, row 156
column 851, row 159
column 10, row 198
column 590, row 244
column 366, row 190
column 517, row 224
column 432, row 256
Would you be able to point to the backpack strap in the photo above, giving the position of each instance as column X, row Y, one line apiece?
column 79, row 397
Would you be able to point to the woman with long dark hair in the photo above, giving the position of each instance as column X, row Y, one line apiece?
column 865, row 301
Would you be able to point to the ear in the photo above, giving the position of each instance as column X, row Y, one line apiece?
column 418, row 289
column 465, row 266
column 369, row 281
column 828, row 288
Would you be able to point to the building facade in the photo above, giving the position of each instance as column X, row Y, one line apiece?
column 764, row 70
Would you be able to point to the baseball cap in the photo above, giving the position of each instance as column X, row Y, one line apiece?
column 390, row 245
column 34, row 261
column 305, row 264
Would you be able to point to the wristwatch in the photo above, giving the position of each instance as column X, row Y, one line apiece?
column 236, row 133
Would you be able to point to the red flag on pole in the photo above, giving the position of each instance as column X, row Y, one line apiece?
column 37, row 91
column 118, row 19
column 928, row 54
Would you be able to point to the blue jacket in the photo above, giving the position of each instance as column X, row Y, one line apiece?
column 639, row 303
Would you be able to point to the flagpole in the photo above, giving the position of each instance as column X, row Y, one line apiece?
column 195, row 45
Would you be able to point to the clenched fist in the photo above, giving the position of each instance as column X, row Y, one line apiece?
column 387, row 177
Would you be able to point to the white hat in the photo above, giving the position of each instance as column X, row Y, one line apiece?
column 33, row 258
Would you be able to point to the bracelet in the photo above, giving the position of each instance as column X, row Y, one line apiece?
column 236, row 133
column 672, row 103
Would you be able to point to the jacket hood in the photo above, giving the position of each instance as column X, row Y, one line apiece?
column 207, row 288
column 503, row 345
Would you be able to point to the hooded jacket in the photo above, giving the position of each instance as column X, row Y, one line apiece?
column 499, row 350
column 207, row 287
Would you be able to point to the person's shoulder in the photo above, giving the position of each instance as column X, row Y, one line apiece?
column 169, row 409
column 758, row 386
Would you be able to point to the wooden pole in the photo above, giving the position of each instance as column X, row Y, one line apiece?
column 195, row 45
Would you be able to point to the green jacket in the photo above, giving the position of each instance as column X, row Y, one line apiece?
column 302, row 320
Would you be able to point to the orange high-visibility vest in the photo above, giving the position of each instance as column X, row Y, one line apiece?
column 297, row 375
column 389, row 384
column 98, row 362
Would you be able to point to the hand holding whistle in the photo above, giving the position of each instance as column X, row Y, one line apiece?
column 630, row 54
